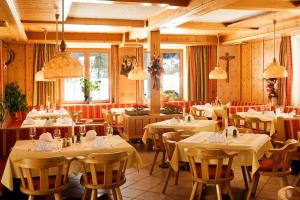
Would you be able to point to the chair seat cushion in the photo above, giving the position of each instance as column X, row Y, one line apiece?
column 266, row 165
column 100, row 177
column 212, row 171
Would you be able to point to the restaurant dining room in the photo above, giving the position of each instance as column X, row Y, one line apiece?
column 150, row 99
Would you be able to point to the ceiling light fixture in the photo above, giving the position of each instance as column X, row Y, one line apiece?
column 172, row 7
column 146, row 4
column 275, row 70
column 63, row 65
column 163, row 5
column 218, row 72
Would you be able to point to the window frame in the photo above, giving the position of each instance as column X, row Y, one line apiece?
column 87, row 53
column 180, row 52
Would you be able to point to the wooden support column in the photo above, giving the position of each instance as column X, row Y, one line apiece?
column 154, row 45
column 1, row 74
column 140, row 84
column 114, row 66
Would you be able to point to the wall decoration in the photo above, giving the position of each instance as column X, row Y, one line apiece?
column 128, row 64
column 156, row 70
column 227, row 58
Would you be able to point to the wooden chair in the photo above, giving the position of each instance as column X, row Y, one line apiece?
column 198, row 113
column 158, row 145
column 237, row 120
column 45, row 183
column 257, row 125
column 276, row 166
column 110, row 176
column 108, row 118
column 205, row 173
column 169, row 140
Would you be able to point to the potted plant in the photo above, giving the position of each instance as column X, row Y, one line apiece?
column 272, row 88
column 171, row 109
column 14, row 100
column 170, row 95
column 87, row 87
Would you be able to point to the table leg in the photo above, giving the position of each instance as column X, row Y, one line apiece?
column 245, row 176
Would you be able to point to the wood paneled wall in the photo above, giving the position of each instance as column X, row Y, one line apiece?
column 246, row 71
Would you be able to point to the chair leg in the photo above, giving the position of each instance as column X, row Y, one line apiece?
column 248, row 173
column 297, row 181
column 114, row 193
column 163, row 158
column 154, row 161
column 167, row 180
column 195, row 185
column 284, row 182
column 30, row 197
column 119, row 195
column 228, row 188
column 57, row 196
column 94, row 195
column 86, row 194
column 200, row 188
column 219, row 191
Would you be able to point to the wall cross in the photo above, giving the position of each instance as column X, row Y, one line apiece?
column 227, row 58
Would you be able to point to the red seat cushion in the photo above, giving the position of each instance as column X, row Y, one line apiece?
column 267, row 165
column 100, row 177
column 212, row 171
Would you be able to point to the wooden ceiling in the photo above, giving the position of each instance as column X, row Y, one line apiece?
column 180, row 21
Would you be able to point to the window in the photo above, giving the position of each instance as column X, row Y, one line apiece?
column 172, row 78
column 97, row 69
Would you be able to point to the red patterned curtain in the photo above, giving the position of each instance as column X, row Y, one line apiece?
column 44, row 91
column 285, row 57
column 201, row 60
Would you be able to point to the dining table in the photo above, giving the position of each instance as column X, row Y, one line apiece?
column 211, row 111
column 99, row 144
column 266, row 116
column 250, row 148
column 190, row 127
column 41, row 114
column 37, row 123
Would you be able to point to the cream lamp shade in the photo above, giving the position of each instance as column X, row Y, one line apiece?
column 63, row 66
column 274, row 70
column 39, row 76
column 218, row 73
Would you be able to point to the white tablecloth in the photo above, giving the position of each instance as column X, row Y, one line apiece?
column 45, row 114
column 211, row 111
column 35, row 123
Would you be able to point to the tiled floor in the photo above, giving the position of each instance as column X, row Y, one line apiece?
column 141, row 186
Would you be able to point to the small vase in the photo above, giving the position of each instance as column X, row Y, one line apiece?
column 88, row 100
column 274, row 101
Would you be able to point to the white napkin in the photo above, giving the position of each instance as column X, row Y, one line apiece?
column 62, row 110
column 29, row 121
column 46, row 137
column 217, row 138
column 64, row 120
column 48, row 122
column 277, row 111
column 187, row 117
column 252, row 111
column 34, row 111
column 207, row 105
column 228, row 104
column 99, row 142
column 173, row 121
column 91, row 134
column 269, row 114
column 292, row 113
column 43, row 146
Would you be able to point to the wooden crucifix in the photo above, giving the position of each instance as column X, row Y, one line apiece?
column 227, row 58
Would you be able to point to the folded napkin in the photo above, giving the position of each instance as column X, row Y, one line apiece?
column 217, row 138
column 189, row 118
column 43, row 146
column 173, row 121
column 46, row 137
column 207, row 105
column 29, row 121
column 228, row 104
column 64, row 120
column 99, row 142
column 252, row 111
column 48, row 122
column 292, row 113
column 34, row 111
column 91, row 134
column 277, row 111
column 269, row 114
column 62, row 110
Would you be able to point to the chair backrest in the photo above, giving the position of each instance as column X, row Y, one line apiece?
column 256, row 124
column 107, row 116
column 157, row 137
column 222, row 171
column 282, row 156
column 198, row 113
column 110, row 167
column 169, row 140
column 237, row 120
column 45, row 183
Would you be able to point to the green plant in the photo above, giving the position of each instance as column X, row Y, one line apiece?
column 88, row 86
column 170, row 94
column 14, row 100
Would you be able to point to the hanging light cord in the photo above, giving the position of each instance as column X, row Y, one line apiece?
column 218, row 50
column 45, row 53
column 56, row 34
column 274, row 23
column 63, row 45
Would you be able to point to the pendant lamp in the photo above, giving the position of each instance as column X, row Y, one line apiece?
column 218, row 72
column 39, row 76
column 63, row 65
column 137, row 73
column 275, row 70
